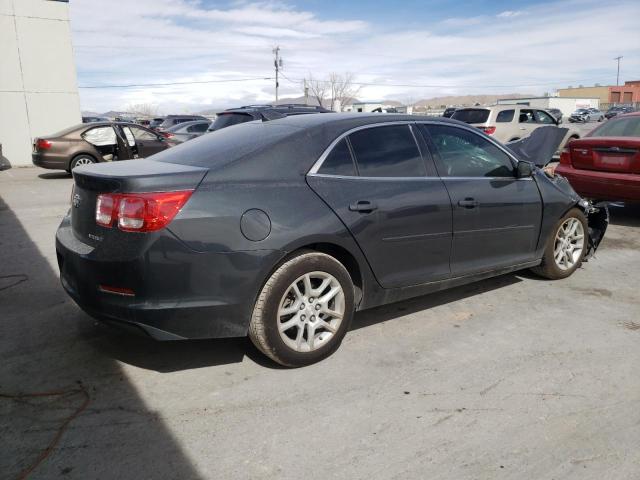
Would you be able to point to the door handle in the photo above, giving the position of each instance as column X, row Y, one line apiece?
column 468, row 203
column 522, row 128
column 363, row 206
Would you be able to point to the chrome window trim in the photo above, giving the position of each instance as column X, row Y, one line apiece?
column 318, row 164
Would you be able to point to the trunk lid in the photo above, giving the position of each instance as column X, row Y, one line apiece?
column 130, row 176
column 606, row 154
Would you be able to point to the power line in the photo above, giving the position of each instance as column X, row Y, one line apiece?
column 131, row 85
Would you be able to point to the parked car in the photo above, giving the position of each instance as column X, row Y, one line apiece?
column 508, row 123
column 449, row 112
column 172, row 120
column 95, row 142
column 282, row 229
column 156, row 122
column 94, row 119
column 618, row 110
column 605, row 164
column 557, row 114
column 250, row 113
column 584, row 115
column 186, row 131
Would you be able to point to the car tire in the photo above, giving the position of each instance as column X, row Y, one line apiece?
column 286, row 299
column 564, row 252
column 81, row 160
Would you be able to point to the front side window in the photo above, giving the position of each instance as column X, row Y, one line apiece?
column 544, row 117
column 339, row 161
column 100, row 136
column 142, row 134
column 505, row 116
column 466, row 154
column 389, row 151
column 526, row 116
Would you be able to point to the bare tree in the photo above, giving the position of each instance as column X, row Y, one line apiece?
column 336, row 91
column 143, row 109
column 317, row 89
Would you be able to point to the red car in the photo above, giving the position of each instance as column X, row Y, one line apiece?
column 605, row 165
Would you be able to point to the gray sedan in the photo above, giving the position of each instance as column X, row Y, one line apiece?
column 585, row 115
column 282, row 229
column 187, row 131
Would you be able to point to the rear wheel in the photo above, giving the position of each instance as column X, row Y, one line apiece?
column 565, row 247
column 81, row 160
column 304, row 310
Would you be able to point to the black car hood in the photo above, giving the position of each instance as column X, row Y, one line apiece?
column 539, row 147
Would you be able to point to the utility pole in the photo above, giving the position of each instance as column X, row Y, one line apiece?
column 277, row 63
column 618, row 75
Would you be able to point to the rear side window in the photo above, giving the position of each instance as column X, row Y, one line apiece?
column 339, row 161
column 387, row 152
column 198, row 127
column 100, row 136
column 472, row 115
column 462, row 153
column 505, row 116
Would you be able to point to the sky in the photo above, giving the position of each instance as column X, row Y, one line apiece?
column 404, row 51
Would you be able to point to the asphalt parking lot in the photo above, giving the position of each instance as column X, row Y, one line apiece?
column 511, row 378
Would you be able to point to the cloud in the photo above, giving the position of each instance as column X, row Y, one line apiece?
column 494, row 52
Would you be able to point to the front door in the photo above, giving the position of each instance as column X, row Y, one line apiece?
column 496, row 216
column 376, row 181
column 147, row 142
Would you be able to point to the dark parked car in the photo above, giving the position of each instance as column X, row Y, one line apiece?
column 186, row 131
column 172, row 120
column 618, row 110
column 448, row 112
column 234, row 116
column 605, row 164
column 94, row 119
column 95, row 142
column 283, row 229
column 557, row 114
column 155, row 123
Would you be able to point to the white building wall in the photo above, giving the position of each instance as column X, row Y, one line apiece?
column 38, row 87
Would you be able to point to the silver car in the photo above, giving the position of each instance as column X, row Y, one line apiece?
column 186, row 131
column 584, row 115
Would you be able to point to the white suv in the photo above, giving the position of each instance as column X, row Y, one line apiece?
column 507, row 123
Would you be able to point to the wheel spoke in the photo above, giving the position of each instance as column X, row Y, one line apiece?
column 299, row 337
column 323, row 286
column 327, row 326
column 311, row 333
column 332, row 313
column 288, row 310
column 307, row 284
column 330, row 294
column 289, row 323
column 296, row 291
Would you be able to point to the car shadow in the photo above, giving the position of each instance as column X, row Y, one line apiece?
column 54, row 175
column 44, row 350
column 624, row 215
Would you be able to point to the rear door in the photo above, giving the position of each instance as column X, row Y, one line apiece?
column 496, row 216
column 526, row 122
column 394, row 205
column 147, row 142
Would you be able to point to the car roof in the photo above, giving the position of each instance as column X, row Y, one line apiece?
column 188, row 124
column 282, row 108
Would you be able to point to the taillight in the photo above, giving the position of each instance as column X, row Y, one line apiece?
column 565, row 156
column 139, row 212
column 166, row 134
column 43, row 144
column 489, row 130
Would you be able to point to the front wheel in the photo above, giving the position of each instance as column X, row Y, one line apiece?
column 565, row 247
column 304, row 310
column 81, row 160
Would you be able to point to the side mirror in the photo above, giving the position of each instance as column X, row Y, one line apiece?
column 524, row 169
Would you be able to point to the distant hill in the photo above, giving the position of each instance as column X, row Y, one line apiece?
column 465, row 100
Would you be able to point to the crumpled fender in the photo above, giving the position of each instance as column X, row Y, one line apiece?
column 598, row 221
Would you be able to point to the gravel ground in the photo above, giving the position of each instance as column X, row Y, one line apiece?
column 510, row 378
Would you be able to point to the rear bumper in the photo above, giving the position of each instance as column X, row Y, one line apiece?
column 602, row 185
column 53, row 162
column 179, row 293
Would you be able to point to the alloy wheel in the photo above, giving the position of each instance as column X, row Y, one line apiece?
column 569, row 244
column 311, row 311
column 82, row 161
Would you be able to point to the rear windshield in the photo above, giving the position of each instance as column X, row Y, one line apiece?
column 620, row 127
column 472, row 115
column 227, row 119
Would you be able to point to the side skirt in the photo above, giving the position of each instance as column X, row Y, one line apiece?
column 385, row 296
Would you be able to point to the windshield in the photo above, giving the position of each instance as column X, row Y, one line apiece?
column 581, row 110
column 619, row 127
column 224, row 120
column 472, row 115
